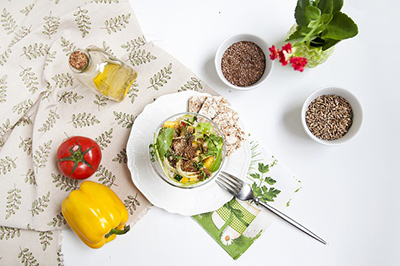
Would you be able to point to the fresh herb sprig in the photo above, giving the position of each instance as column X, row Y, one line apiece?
column 153, row 154
column 199, row 167
column 320, row 23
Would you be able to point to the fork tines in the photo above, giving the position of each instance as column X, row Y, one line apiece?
column 229, row 182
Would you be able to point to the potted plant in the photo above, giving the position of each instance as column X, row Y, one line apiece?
column 320, row 25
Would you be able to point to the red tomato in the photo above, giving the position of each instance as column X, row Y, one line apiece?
column 183, row 124
column 78, row 157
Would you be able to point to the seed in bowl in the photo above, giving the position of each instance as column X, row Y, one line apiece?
column 329, row 117
column 243, row 63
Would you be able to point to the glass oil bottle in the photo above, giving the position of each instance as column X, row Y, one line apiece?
column 102, row 72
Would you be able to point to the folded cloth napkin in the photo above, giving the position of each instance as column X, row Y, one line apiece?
column 236, row 225
column 42, row 103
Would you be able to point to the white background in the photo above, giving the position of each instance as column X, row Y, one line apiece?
column 351, row 191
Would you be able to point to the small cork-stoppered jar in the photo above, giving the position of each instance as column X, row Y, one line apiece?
column 102, row 72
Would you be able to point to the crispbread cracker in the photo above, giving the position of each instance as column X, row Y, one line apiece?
column 195, row 103
column 212, row 106
column 217, row 108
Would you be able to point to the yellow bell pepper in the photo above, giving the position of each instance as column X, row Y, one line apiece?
column 95, row 213
column 208, row 162
column 171, row 124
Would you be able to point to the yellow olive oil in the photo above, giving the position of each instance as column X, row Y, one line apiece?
column 114, row 81
column 102, row 72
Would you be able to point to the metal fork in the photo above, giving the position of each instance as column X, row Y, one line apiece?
column 243, row 191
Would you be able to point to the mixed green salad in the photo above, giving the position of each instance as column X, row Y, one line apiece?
column 188, row 149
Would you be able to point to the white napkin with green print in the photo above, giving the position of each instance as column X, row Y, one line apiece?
column 236, row 225
column 42, row 103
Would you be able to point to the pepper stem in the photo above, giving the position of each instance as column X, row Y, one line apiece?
column 116, row 231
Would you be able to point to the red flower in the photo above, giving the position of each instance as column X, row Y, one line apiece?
column 285, row 56
column 282, row 58
column 274, row 52
column 298, row 63
column 287, row 47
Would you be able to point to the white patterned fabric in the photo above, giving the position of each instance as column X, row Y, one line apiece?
column 41, row 103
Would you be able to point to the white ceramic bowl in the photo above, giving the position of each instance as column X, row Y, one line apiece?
column 244, row 37
column 356, row 108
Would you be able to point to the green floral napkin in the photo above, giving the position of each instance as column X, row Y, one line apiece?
column 236, row 225
column 42, row 103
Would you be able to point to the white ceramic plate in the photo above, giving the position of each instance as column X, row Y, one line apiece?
column 176, row 200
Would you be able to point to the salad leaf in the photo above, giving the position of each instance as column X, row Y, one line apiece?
column 214, row 144
column 203, row 129
column 164, row 141
column 189, row 119
column 217, row 162
column 211, row 148
column 217, row 140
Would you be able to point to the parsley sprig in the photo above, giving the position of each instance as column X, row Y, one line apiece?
column 259, row 189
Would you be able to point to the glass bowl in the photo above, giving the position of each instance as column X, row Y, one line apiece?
column 163, row 171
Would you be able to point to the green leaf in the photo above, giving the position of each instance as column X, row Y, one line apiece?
column 256, row 190
column 255, row 175
column 315, row 3
column 337, row 5
column 326, row 18
column 215, row 165
column 326, row 6
column 298, row 35
column 269, row 180
column 312, row 13
column 203, row 129
column 341, row 27
column 270, row 194
column 263, row 168
column 300, row 12
column 164, row 141
column 329, row 43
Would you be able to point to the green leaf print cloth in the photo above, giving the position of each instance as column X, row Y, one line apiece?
column 236, row 225
column 41, row 103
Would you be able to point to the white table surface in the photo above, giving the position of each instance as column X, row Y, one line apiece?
column 350, row 196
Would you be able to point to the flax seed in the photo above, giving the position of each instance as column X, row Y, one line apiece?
column 243, row 63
